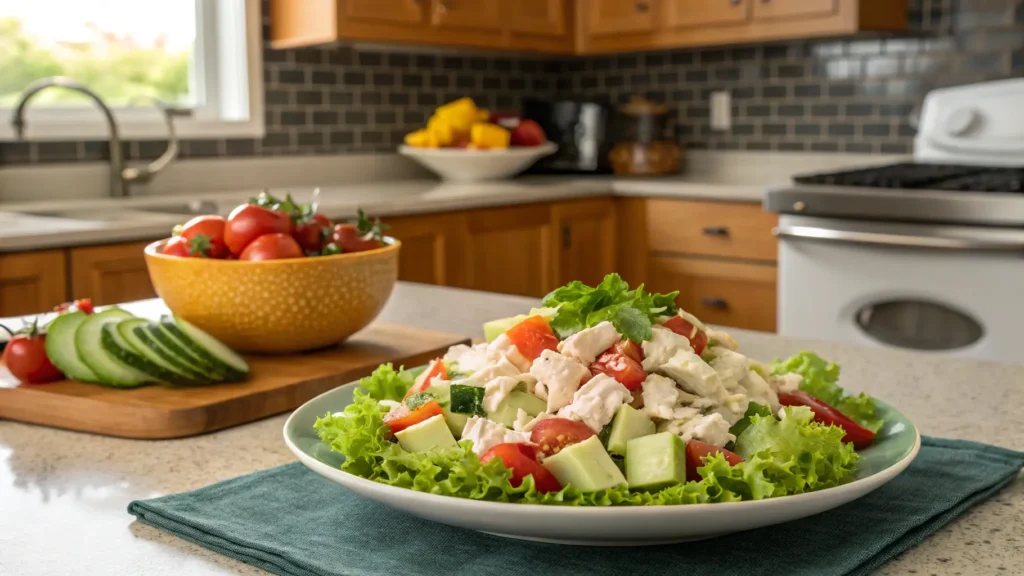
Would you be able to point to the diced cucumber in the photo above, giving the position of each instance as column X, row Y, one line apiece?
column 508, row 410
column 629, row 423
column 109, row 369
column 456, row 422
column 117, row 347
column 585, row 465
column 496, row 328
column 152, row 352
column 60, row 347
column 467, row 400
column 157, row 333
column 431, row 434
column 655, row 462
column 208, row 348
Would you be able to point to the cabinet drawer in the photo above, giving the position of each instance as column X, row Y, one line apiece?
column 712, row 229
column 719, row 293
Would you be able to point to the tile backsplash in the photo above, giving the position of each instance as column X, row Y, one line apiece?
column 851, row 95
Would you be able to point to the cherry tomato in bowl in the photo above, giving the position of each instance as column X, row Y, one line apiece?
column 177, row 246
column 205, row 236
column 276, row 246
column 248, row 222
column 348, row 238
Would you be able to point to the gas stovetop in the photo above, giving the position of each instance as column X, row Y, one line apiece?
column 910, row 176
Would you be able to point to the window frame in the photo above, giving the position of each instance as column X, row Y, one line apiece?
column 223, row 112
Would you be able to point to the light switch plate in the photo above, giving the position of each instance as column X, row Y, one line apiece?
column 721, row 110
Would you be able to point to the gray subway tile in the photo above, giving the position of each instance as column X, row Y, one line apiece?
column 841, row 129
column 323, row 77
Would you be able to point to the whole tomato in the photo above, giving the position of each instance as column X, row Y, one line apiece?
column 323, row 220
column 276, row 246
column 310, row 235
column 348, row 238
column 248, row 222
column 205, row 235
column 25, row 356
column 177, row 246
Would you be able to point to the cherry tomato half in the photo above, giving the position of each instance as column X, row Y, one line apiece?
column 401, row 418
column 695, row 453
column 698, row 339
column 629, row 348
column 309, row 235
column 436, row 368
column 552, row 434
column 826, row 414
column 210, row 232
column 248, row 222
column 533, row 336
column 272, row 247
column 520, row 459
column 627, row 371
column 25, row 356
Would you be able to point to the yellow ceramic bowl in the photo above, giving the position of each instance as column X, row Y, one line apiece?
column 277, row 306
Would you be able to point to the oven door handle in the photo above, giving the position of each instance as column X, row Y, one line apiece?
column 951, row 243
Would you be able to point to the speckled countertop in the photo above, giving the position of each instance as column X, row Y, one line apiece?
column 63, row 495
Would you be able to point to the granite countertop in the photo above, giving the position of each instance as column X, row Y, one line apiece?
column 63, row 495
column 56, row 223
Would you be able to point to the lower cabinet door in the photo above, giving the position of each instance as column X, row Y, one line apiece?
column 32, row 282
column 110, row 274
column 508, row 250
column 721, row 293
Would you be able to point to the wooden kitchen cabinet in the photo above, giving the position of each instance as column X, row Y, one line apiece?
column 544, row 25
column 385, row 11
column 431, row 250
column 725, row 229
column 473, row 15
column 690, row 13
column 618, row 17
column 32, row 282
column 768, row 9
column 719, row 292
column 110, row 274
column 508, row 250
column 584, row 240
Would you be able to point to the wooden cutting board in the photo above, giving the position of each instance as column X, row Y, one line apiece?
column 276, row 384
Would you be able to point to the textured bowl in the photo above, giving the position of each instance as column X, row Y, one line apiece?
column 460, row 165
column 277, row 306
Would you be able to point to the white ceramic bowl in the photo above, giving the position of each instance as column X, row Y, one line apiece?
column 460, row 165
column 895, row 448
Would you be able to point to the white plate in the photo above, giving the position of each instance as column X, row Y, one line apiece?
column 894, row 449
column 461, row 165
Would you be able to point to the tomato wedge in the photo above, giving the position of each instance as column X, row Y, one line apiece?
column 826, row 414
column 401, row 418
column 629, row 348
column 695, row 453
column 698, row 339
column 552, row 434
column 522, row 461
column 627, row 371
column 436, row 368
column 532, row 336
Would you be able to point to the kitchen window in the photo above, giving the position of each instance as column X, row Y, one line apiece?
column 202, row 55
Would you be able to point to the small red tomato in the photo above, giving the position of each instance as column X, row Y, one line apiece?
column 277, row 246
column 309, row 235
column 521, row 460
column 347, row 237
column 323, row 220
column 177, row 246
column 248, row 222
column 528, row 133
column 205, row 235
column 532, row 337
column 85, row 305
column 25, row 356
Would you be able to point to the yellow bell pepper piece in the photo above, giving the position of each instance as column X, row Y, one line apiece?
column 487, row 135
column 460, row 114
column 441, row 129
column 483, row 115
column 421, row 139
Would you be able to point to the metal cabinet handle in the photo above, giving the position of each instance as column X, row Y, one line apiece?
column 953, row 243
column 720, row 231
column 642, row 7
column 735, row 2
column 716, row 303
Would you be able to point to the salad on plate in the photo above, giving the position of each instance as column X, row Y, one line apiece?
column 605, row 396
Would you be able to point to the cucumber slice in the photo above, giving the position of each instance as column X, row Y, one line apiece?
column 60, row 347
column 109, row 369
column 184, row 376
column 119, row 348
column 206, row 346
column 156, row 332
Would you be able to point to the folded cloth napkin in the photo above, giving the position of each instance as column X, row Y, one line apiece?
column 290, row 521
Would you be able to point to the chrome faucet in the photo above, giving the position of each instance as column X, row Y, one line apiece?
column 121, row 177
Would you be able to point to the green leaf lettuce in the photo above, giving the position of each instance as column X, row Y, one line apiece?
column 820, row 379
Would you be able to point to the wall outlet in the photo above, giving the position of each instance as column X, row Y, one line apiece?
column 721, row 110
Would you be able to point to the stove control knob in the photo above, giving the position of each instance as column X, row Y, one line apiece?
column 961, row 121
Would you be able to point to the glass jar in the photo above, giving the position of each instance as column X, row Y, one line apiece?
column 644, row 144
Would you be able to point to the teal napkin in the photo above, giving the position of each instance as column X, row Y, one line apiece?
column 290, row 521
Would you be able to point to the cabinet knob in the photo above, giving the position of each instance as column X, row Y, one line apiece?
column 642, row 7
column 720, row 231
column 716, row 303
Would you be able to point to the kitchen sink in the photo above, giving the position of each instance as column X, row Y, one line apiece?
column 196, row 207
column 133, row 212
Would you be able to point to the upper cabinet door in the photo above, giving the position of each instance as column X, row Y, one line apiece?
column 386, row 11
column 610, row 17
column 474, row 15
column 690, row 13
column 772, row 9
column 539, row 17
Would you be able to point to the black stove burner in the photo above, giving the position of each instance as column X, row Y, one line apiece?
column 925, row 176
